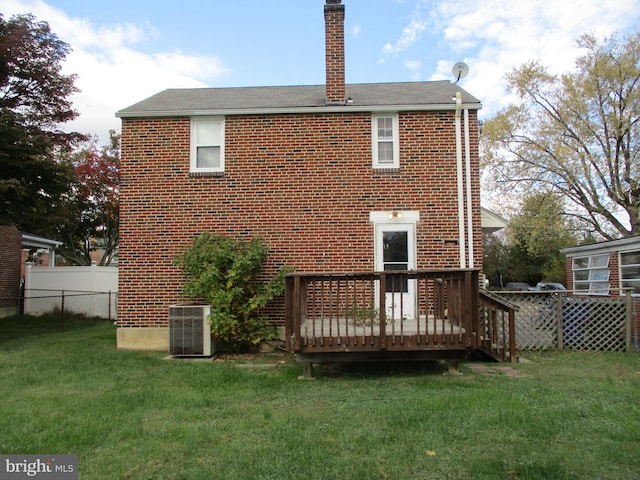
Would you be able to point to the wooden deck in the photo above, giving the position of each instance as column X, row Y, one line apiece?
column 401, row 314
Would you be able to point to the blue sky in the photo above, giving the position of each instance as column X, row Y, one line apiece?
column 125, row 51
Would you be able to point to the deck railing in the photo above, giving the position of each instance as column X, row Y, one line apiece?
column 496, row 327
column 401, row 311
column 433, row 310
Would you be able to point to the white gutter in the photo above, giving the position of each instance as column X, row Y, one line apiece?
column 460, row 178
column 467, row 154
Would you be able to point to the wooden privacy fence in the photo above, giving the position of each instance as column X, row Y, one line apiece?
column 549, row 320
column 396, row 311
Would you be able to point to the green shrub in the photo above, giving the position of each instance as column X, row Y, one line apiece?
column 226, row 273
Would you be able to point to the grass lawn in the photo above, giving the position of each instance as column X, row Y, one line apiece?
column 137, row 415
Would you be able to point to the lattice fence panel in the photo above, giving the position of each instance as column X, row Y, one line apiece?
column 587, row 323
column 594, row 324
column 536, row 320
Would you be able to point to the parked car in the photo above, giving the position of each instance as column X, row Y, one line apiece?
column 545, row 286
column 520, row 286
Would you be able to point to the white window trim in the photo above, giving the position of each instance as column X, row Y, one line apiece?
column 596, row 286
column 194, row 145
column 621, row 267
column 395, row 139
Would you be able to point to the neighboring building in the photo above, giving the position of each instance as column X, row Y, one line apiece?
column 491, row 222
column 11, row 246
column 605, row 268
column 608, row 269
column 14, row 253
column 39, row 250
column 325, row 174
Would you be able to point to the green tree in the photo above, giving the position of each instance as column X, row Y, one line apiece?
column 34, row 101
column 89, row 213
column 227, row 274
column 533, row 240
column 494, row 258
column 575, row 134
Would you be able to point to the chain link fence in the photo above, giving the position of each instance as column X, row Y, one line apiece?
column 559, row 320
column 93, row 304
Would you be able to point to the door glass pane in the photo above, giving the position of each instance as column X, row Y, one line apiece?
column 395, row 247
column 396, row 284
column 396, row 257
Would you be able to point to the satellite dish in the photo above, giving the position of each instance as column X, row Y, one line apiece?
column 460, row 70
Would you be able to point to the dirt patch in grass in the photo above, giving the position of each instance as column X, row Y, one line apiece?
column 273, row 358
column 497, row 369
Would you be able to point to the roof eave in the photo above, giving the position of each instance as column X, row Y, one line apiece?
column 34, row 241
column 283, row 110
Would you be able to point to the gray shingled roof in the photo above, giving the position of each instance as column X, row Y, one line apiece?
column 366, row 97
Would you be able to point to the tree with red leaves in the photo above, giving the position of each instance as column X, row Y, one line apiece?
column 89, row 228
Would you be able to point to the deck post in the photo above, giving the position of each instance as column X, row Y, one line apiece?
column 560, row 323
column 383, row 311
column 288, row 311
column 296, row 312
column 473, row 312
column 307, row 371
column 512, row 337
column 627, row 320
column 453, row 367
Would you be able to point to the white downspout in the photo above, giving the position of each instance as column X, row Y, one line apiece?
column 467, row 153
column 460, row 181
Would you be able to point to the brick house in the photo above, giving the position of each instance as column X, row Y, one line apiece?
column 14, row 254
column 608, row 269
column 326, row 174
column 604, row 268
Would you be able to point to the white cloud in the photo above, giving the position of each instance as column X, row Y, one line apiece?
column 111, row 73
column 410, row 34
column 495, row 36
column 355, row 31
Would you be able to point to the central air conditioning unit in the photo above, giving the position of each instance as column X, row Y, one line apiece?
column 189, row 331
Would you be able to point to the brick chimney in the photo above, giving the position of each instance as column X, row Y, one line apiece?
column 334, row 39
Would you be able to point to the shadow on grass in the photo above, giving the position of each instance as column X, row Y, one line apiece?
column 380, row 369
column 21, row 326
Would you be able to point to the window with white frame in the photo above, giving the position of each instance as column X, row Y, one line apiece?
column 630, row 271
column 385, row 147
column 591, row 274
column 207, row 145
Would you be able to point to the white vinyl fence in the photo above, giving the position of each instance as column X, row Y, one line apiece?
column 92, row 291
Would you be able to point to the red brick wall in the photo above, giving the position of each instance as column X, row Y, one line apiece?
column 10, row 256
column 303, row 182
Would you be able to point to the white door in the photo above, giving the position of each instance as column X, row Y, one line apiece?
column 396, row 250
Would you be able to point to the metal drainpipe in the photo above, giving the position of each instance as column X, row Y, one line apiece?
column 460, row 182
column 467, row 153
